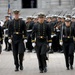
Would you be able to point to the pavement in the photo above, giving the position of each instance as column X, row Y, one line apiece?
column 56, row 65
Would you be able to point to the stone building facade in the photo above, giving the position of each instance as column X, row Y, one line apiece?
column 47, row 6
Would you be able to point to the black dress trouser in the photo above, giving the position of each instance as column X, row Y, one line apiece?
column 41, row 49
column 17, row 54
column 69, row 53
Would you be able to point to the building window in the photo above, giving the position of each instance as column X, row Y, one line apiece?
column 29, row 3
column 59, row 2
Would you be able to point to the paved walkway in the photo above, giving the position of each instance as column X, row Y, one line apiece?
column 56, row 65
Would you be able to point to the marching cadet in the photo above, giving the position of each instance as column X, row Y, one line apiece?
column 63, row 24
column 41, row 32
column 35, row 19
column 49, row 20
column 17, row 36
column 57, row 31
column 53, row 34
column 73, row 19
column 29, row 26
column 63, row 19
column 67, row 34
column 1, row 39
column 68, row 16
column 5, row 28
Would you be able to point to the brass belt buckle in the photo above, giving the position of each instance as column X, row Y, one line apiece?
column 41, row 37
column 52, row 33
column 17, row 32
column 68, row 36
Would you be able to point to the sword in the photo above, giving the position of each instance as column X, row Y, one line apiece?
column 62, row 32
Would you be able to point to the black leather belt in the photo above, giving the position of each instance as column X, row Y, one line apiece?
column 67, row 36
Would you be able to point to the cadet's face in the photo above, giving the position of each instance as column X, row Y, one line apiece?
column 28, row 20
column 41, row 20
column 63, row 20
column 6, row 18
column 35, row 20
column 16, row 16
column 59, row 19
column 49, row 19
column 53, row 19
column 73, row 20
column 67, row 23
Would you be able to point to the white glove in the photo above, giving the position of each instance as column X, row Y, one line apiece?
column 61, row 43
column 25, row 41
column 52, row 36
column 33, row 44
column 10, row 41
column 50, row 44
column 58, row 30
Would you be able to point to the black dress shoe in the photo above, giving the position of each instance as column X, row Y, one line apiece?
column 68, row 68
column 21, row 67
column 62, row 51
column 45, row 69
column 8, row 49
column 5, row 50
column 50, row 51
column 71, row 67
column 29, row 51
column 16, row 70
column 41, row 71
